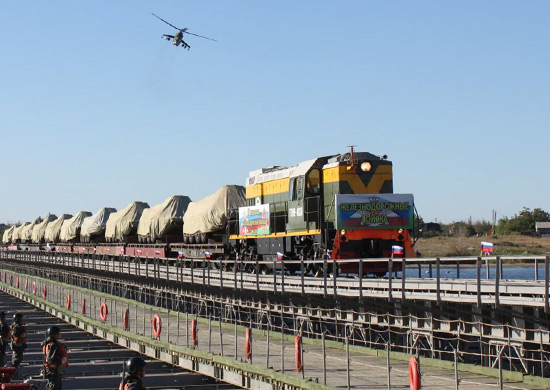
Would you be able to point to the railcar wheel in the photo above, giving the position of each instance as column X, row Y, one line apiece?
column 317, row 271
column 202, row 238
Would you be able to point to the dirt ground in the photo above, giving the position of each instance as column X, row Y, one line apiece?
column 464, row 246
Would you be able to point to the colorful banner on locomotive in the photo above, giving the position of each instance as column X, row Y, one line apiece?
column 374, row 211
column 254, row 220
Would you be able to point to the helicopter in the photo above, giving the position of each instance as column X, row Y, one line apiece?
column 178, row 38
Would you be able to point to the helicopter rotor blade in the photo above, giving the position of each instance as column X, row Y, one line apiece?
column 170, row 24
column 197, row 35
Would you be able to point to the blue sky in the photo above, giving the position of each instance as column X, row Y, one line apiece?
column 97, row 110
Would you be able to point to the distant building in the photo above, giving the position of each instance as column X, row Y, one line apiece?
column 432, row 227
column 542, row 229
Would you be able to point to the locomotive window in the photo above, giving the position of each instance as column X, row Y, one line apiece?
column 313, row 186
column 296, row 188
column 300, row 188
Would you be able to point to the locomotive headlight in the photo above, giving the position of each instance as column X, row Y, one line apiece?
column 343, row 232
column 400, row 231
column 366, row 166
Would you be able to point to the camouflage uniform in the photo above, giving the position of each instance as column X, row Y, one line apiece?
column 131, row 382
column 18, row 342
column 55, row 359
column 4, row 340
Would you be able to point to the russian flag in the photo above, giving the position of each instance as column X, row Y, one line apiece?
column 207, row 255
column 180, row 254
column 397, row 250
column 486, row 247
column 138, row 251
column 280, row 256
column 122, row 250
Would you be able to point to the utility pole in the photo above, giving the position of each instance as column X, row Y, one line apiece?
column 494, row 221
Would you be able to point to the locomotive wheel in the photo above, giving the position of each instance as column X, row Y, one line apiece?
column 317, row 271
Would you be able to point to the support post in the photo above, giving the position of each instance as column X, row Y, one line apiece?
column 390, row 279
column 282, row 343
column 456, row 369
column 497, row 282
column 500, row 380
column 360, row 280
column 267, row 352
column 334, row 277
column 348, row 374
column 325, row 270
column 302, row 276
column 438, row 279
column 478, row 281
column 403, row 279
column 546, row 279
column 324, row 358
column 388, row 364
column 257, row 276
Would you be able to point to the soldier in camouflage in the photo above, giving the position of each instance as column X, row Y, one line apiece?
column 5, row 334
column 18, row 339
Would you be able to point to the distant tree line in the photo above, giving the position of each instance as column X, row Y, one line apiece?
column 522, row 223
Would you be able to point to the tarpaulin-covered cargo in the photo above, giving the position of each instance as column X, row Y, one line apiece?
column 71, row 227
column 39, row 230
column 54, row 228
column 211, row 213
column 26, row 233
column 6, row 238
column 16, row 236
column 95, row 225
column 124, row 223
column 159, row 220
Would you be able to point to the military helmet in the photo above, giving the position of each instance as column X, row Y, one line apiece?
column 17, row 317
column 53, row 331
column 134, row 365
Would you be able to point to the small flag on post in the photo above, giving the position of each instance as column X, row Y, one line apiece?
column 207, row 255
column 397, row 250
column 280, row 256
column 486, row 248
column 180, row 254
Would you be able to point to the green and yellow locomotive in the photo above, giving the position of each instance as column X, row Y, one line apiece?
column 338, row 207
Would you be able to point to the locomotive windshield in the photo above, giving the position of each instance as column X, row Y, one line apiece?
column 313, row 186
